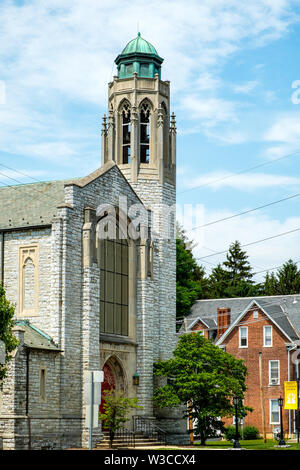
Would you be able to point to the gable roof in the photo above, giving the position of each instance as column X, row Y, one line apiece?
column 284, row 309
column 36, row 204
column 34, row 338
column 274, row 312
column 208, row 322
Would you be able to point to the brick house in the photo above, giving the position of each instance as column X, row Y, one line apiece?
column 261, row 330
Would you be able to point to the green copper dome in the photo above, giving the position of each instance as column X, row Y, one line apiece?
column 139, row 45
column 140, row 57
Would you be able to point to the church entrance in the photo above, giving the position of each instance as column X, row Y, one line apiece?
column 113, row 380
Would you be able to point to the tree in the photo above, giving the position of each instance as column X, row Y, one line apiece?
column 7, row 311
column 191, row 283
column 234, row 277
column 116, row 409
column 206, row 377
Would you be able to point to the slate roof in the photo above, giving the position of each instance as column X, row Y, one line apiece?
column 30, row 204
column 282, row 309
column 35, row 338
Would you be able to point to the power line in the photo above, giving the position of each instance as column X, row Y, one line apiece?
column 244, row 212
column 252, row 243
column 240, row 172
column 271, row 269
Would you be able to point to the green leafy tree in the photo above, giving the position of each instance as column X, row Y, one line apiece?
column 115, row 411
column 204, row 376
column 7, row 311
column 191, row 283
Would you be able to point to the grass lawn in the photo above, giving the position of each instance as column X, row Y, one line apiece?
column 251, row 445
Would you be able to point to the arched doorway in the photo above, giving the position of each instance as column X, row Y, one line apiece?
column 114, row 379
column 108, row 383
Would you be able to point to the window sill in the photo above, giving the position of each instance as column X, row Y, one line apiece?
column 111, row 338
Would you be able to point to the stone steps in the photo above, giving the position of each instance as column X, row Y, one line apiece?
column 119, row 443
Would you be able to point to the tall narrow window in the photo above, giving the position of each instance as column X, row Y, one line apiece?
column 243, row 337
column 113, row 257
column 268, row 336
column 43, row 383
column 28, row 280
column 145, row 133
column 274, row 372
column 126, row 153
column 274, row 412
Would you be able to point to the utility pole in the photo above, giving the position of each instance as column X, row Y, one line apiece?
column 262, row 397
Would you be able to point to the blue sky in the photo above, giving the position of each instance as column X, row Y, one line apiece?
column 231, row 64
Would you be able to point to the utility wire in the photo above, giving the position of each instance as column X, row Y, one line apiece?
column 244, row 212
column 240, row 172
column 252, row 243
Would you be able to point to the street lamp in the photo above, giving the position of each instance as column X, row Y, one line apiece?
column 282, row 441
column 236, row 444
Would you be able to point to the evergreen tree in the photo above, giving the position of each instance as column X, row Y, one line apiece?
column 285, row 282
column 237, row 264
column 234, row 277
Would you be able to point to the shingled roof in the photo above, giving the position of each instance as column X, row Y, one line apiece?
column 30, row 204
column 283, row 310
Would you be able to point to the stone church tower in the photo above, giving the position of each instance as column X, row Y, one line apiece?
column 86, row 302
column 141, row 139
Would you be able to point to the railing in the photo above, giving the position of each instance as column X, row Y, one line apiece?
column 148, row 428
column 127, row 437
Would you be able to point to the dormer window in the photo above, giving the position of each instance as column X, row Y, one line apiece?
column 126, row 129
column 145, row 133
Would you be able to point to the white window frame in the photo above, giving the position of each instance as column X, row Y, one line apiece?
column 270, row 405
column 268, row 345
column 240, row 336
column 270, row 380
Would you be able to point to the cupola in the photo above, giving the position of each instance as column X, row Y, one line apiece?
column 139, row 56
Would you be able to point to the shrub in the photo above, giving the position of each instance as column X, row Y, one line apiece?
column 250, row 433
column 229, row 433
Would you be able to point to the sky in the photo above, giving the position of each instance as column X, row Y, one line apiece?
column 235, row 89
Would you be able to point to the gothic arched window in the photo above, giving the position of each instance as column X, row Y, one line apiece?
column 126, row 153
column 145, row 133
column 113, row 260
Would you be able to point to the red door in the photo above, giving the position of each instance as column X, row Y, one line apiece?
column 107, row 384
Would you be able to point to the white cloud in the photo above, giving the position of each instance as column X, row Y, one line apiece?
column 241, row 182
column 247, row 229
column 57, row 53
column 284, row 134
column 245, row 88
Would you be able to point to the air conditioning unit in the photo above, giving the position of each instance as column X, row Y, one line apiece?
column 274, row 381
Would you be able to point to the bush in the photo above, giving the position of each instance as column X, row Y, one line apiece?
column 250, row 433
column 229, row 433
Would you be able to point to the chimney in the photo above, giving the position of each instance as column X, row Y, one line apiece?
column 223, row 320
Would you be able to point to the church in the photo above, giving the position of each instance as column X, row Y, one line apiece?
column 90, row 264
